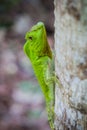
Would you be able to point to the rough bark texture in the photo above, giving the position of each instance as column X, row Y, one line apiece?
column 71, row 64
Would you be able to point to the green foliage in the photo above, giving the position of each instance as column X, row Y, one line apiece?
column 6, row 9
column 6, row 5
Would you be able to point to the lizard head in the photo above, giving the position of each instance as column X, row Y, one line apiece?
column 36, row 41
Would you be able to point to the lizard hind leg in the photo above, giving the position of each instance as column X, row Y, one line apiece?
column 56, row 80
column 51, row 118
column 53, row 79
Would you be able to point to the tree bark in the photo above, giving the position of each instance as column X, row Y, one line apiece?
column 71, row 64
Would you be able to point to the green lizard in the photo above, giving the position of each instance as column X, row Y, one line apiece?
column 38, row 51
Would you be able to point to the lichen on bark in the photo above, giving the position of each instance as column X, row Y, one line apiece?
column 71, row 64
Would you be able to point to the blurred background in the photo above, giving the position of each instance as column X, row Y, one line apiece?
column 22, row 105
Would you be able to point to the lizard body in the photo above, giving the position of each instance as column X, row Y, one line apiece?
column 38, row 51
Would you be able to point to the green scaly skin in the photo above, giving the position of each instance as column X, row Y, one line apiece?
column 38, row 51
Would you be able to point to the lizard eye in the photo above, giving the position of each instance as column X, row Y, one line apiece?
column 30, row 38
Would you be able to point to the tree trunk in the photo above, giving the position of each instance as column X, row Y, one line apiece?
column 71, row 64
